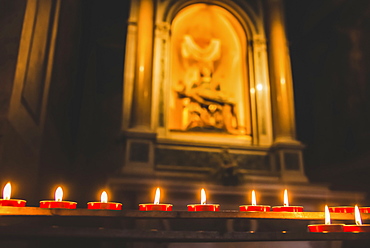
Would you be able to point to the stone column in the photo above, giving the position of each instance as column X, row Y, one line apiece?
column 280, row 75
column 139, row 136
column 142, row 94
column 287, row 157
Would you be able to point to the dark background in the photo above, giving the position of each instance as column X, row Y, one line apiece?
column 81, row 148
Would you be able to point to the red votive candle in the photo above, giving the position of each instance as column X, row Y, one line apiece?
column 365, row 210
column 104, row 204
column 156, row 206
column 327, row 227
column 286, row 207
column 359, row 227
column 254, row 207
column 203, row 206
column 356, row 228
column 342, row 209
column 58, row 203
column 7, row 202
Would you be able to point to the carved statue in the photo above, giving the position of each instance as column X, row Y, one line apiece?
column 209, row 108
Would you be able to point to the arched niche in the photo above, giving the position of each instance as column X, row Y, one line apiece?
column 240, row 71
column 208, row 37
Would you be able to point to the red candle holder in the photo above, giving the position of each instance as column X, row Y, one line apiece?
column 342, row 209
column 203, row 207
column 356, row 228
column 155, row 207
column 12, row 203
column 325, row 228
column 58, row 204
column 7, row 201
column 287, row 209
column 365, row 210
column 254, row 208
column 104, row 206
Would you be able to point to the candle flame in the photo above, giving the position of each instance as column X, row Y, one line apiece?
column 104, row 197
column 59, row 194
column 203, row 197
column 358, row 216
column 157, row 196
column 327, row 216
column 7, row 191
column 254, row 202
column 286, row 201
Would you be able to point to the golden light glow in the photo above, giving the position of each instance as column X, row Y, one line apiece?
column 327, row 216
column 7, row 191
column 157, row 196
column 286, row 201
column 254, row 202
column 59, row 194
column 358, row 216
column 259, row 87
column 203, row 197
column 104, row 197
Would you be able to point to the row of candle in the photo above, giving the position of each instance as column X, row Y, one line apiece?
column 203, row 206
column 156, row 206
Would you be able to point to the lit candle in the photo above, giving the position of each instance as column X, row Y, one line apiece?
column 156, row 206
column 6, row 201
column 104, row 204
column 327, row 227
column 254, row 206
column 58, row 203
column 342, row 209
column 359, row 227
column 203, row 206
column 286, row 207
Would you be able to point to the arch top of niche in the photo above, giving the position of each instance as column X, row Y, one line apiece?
column 242, row 11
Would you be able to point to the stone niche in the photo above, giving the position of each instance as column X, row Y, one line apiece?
column 208, row 102
column 199, row 84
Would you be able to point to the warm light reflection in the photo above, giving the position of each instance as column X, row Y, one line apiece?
column 358, row 216
column 327, row 216
column 286, row 201
column 104, row 197
column 59, row 194
column 7, row 191
column 203, row 197
column 157, row 196
column 254, row 202
column 259, row 87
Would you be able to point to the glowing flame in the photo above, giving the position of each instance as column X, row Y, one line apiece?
column 357, row 216
column 59, row 194
column 286, row 201
column 104, row 197
column 157, row 196
column 203, row 197
column 7, row 191
column 254, row 202
column 327, row 216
